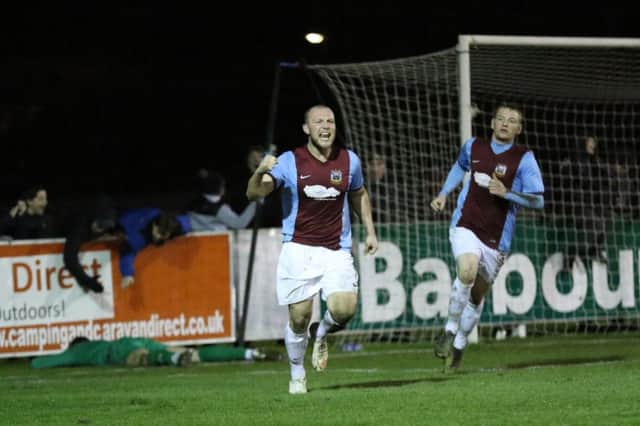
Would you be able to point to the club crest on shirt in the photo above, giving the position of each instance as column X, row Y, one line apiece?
column 336, row 177
column 500, row 170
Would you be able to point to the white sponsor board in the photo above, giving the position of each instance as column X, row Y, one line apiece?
column 605, row 295
column 39, row 289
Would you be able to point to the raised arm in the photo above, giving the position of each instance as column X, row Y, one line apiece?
column 77, row 235
column 127, row 259
column 260, row 183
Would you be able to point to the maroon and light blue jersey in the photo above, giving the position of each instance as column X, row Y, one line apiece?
column 315, row 206
column 492, row 218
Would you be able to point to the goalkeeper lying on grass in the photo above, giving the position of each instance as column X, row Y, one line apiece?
column 134, row 351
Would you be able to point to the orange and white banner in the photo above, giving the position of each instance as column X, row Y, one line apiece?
column 182, row 294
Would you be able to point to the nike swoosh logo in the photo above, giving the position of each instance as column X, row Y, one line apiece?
column 305, row 176
column 475, row 161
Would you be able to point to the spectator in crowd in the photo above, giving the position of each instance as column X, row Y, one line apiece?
column 8, row 218
column 143, row 227
column 210, row 212
column 255, row 153
column 29, row 218
column 623, row 191
column 90, row 222
column 586, row 203
column 142, row 352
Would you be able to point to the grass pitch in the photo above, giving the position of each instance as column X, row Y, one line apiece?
column 539, row 380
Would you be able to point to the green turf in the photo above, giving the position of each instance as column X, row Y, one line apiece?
column 551, row 380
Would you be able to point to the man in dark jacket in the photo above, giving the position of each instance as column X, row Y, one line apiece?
column 29, row 218
column 98, row 219
column 587, row 204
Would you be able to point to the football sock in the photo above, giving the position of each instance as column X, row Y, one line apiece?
column 457, row 301
column 469, row 319
column 326, row 325
column 296, row 347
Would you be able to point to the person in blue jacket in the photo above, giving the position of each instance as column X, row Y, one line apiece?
column 143, row 227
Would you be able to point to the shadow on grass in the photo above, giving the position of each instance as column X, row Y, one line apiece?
column 384, row 383
column 564, row 362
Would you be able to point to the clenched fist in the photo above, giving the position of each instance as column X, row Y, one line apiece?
column 437, row 204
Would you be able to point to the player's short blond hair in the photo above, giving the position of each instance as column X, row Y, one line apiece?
column 512, row 107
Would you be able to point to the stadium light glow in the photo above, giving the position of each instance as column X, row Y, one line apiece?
column 314, row 38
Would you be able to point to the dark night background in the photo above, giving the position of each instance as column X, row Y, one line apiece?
column 133, row 99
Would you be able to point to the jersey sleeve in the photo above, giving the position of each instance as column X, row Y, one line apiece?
column 355, row 172
column 283, row 169
column 455, row 176
column 530, row 175
column 464, row 157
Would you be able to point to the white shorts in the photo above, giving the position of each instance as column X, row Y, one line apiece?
column 304, row 270
column 465, row 241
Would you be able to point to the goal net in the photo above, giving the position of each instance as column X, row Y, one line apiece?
column 573, row 266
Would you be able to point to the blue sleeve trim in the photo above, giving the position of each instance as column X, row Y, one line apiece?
column 455, row 176
column 530, row 200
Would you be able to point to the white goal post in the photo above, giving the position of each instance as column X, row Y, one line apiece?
column 465, row 42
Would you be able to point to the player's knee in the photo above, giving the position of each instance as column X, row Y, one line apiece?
column 343, row 312
column 467, row 273
column 467, row 276
column 342, row 316
column 342, row 306
column 299, row 316
column 299, row 323
column 467, row 266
